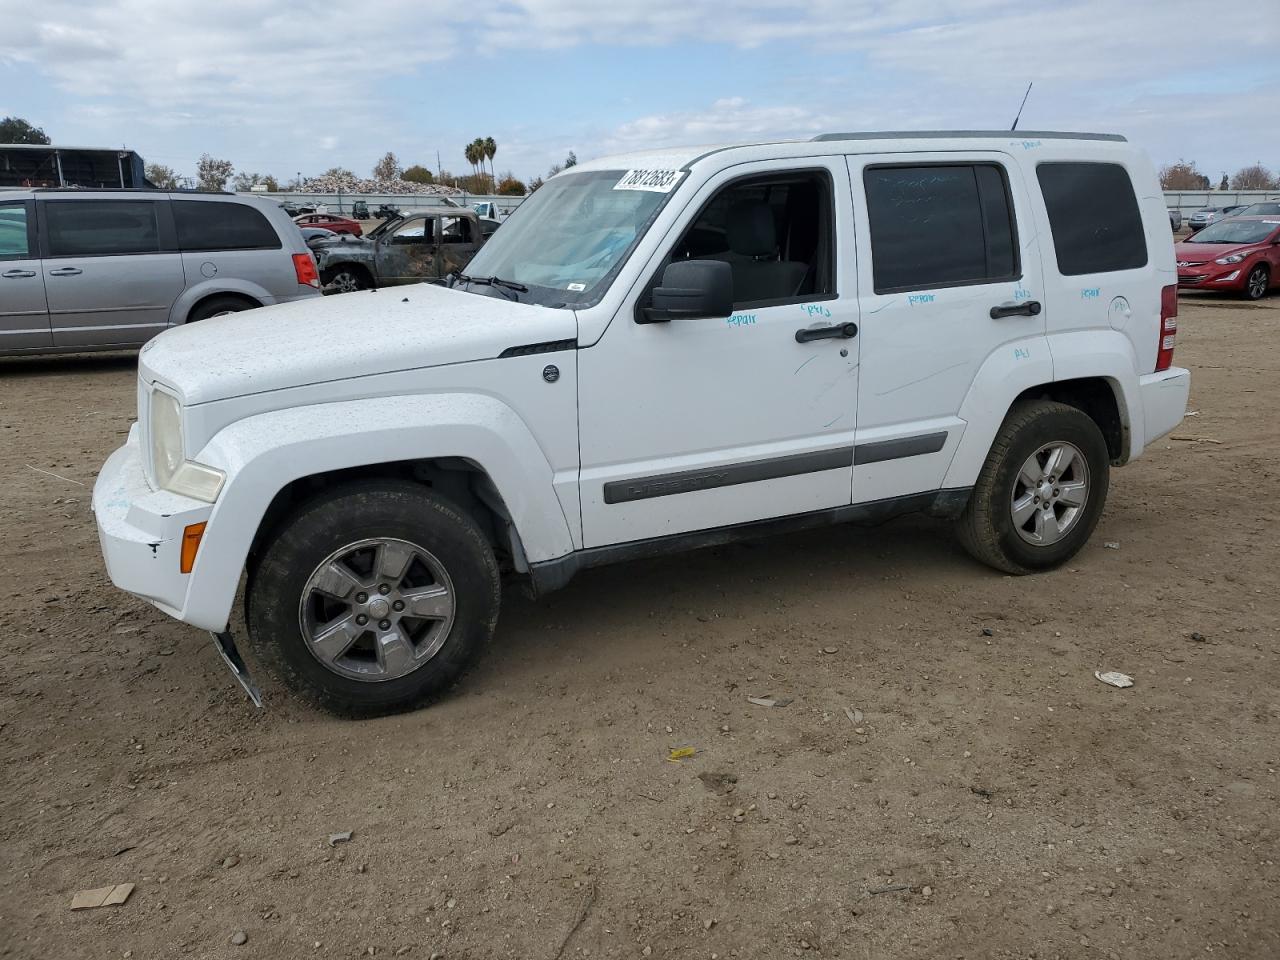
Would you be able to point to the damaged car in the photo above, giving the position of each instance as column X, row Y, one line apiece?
column 412, row 248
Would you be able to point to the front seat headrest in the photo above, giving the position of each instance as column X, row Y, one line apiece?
column 750, row 229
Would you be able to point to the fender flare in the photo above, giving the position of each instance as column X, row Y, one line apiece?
column 182, row 307
column 1018, row 366
column 262, row 454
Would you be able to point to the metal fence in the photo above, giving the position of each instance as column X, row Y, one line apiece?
column 1188, row 202
column 341, row 202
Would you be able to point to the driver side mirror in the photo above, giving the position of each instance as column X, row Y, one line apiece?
column 691, row 289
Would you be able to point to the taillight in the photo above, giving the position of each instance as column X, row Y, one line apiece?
column 305, row 268
column 1168, row 327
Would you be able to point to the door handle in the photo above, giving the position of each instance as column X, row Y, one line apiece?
column 845, row 330
column 65, row 272
column 17, row 274
column 1027, row 308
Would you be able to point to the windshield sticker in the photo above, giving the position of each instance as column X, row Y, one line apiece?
column 576, row 287
column 654, row 181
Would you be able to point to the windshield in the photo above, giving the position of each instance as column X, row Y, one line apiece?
column 1268, row 209
column 1236, row 231
column 566, row 242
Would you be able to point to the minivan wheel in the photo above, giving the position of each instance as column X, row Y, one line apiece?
column 373, row 599
column 1256, row 283
column 1041, row 492
column 344, row 280
column 218, row 307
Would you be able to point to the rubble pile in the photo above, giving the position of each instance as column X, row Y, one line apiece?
column 354, row 184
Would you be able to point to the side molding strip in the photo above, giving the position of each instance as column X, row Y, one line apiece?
column 898, row 448
column 530, row 349
column 685, row 481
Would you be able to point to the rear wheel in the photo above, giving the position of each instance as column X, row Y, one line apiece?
column 1256, row 283
column 373, row 599
column 345, row 279
column 218, row 307
column 1041, row 492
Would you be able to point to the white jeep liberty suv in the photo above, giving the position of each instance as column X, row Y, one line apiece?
column 657, row 352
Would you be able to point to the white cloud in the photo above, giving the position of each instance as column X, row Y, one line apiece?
column 285, row 77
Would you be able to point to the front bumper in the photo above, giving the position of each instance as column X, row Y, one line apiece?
column 1164, row 401
column 140, row 529
column 1213, row 276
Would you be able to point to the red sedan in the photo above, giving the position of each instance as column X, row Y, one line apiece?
column 1241, row 255
column 330, row 221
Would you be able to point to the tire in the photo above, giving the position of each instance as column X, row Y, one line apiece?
column 989, row 528
column 391, row 661
column 1256, row 282
column 345, row 279
column 218, row 307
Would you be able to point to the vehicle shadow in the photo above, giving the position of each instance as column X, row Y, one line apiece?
column 69, row 363
column 744, row 580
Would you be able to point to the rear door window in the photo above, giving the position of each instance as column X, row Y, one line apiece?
column 1094, row 217
column 14, row 244
column 218, row 225
column 102, row 228
column 940, row 225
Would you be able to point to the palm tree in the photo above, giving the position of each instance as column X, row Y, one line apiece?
column 472, row 156
column 491, row 148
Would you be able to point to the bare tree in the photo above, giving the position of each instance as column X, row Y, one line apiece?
column 213, row 174
column 1256, row 177
column 1182, row 175
column 163, row 177
column 388, row 168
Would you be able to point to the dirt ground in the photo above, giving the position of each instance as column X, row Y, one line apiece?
column 1020, row 807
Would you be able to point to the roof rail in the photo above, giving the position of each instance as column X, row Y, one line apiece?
column 968, row 134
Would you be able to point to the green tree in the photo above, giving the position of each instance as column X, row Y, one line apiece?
column 163, row 177
column 247, row 181
column 490, row 149
column 213, row 174
column 509, row 186
column 571, row 160
column 1224, row 185
column 17, row 130
column 418, row 174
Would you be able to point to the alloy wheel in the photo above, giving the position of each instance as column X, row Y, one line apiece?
column 1050, row 493
column 377, row 609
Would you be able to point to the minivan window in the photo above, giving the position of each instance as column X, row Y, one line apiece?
column 1094, row 217
column 13, row 231
column 101, row 228
column 219, row 225
column 940, row 225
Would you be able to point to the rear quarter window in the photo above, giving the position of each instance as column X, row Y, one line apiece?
column 219, row 225
column 1094, row 217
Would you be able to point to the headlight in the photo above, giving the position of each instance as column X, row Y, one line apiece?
column 172, row 470
column 1234, row 258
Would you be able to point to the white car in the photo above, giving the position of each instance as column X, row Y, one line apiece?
column 657, row 352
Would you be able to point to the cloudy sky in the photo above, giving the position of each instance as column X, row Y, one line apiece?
column 281, row 88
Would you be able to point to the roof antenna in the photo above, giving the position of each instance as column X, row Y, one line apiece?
column 1021, row 105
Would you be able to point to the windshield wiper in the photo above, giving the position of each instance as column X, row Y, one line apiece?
column 493, row 282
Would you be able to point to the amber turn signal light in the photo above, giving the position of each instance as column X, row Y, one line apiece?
column 191, row 537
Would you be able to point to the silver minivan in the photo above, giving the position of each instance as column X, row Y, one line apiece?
column 109, row 269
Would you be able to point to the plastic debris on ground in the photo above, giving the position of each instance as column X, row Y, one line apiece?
column 681, row 753
column 101, row 897
column 769, row 701
column 1114, row 678
column 337, row 838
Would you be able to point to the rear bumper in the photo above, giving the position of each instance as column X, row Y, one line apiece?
column 1164, row 401
column 140, row 529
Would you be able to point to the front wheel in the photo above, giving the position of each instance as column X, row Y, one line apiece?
column 344, row 280
column 1041, row 492
column 1256, row 283
column 371, row 600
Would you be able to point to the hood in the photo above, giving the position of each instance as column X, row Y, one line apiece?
column 1205, row 252
column 322, row 339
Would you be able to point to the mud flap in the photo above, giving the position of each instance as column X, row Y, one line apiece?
column 226, row 645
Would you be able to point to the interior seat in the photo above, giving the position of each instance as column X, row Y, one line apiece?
column 758, row 273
